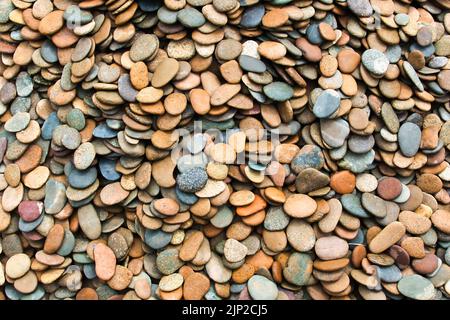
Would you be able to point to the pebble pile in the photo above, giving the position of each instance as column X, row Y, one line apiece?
column 110, row 191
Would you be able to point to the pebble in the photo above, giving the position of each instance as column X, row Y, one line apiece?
column 416, row 287
column 261, row 288
column 375, row 61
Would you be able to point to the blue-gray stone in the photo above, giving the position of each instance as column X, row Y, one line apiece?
column 104, row 292
column 89, row 271
column 104, row 131
column 412, row 74
column 108, row 169
column 256, row 166
column 352, row 204
column 261, row 288
column 252, row 16
column 37, row 294
column 251, row 64
column 327, row 103
column 49, row 52
column 6, row 7
column 402, row 19
column 394, row 53
column 447, row 256
column 212, row 295
column 190, row 17
column 276, row 219
column 362, row 8
column 313, row 34
column 192, row 180
column 278, row 91
column 223, row 217
column 236, row 288
column 55, row 196
column 360, row 144
column 416, row 287
column 312, row 158
column 375, row 61
column 126, row 89
column 389, row 274
column 190, row 161
column 12, row 293
column 30, row 226
column 409, row 137
column 24, row 84
column 82, row 258
column 49, row 126
column 167, row 16
column 186, row 198
column 68, row 243
column 357, row 162
column 82, row 179
column 20, row 104
column 438, row 62
column 149, row 6
column 157, row 239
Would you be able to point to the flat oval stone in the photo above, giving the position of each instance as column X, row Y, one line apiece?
column 105, row 262
column 300, row 235
column 144, row 47
column 17, row 265
column 375, row 61
column 276, row 219
column 165, row 72
column 190, row 17
column 409, row 136
column 55, row 196
column 387, row 237
column 330, row 248
column 30, row 210
column 251, row 64
column 334, row 132
column 216, row 270
column 89, row 221
column 261, row 288
column 326, row 104
column 18, row 122
column 299, row 268
column 157, row 239
column 373, row 204
column 278, row 91
column 192, row 180
column 416, row 287
column 82, row 179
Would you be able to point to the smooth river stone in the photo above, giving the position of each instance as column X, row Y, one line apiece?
column 327, row 103
column 352, row 204
column 55, row 196
column 387, row 237
column 299, row 269
column 89, row 221
column 409, row 137
column 261, row 288
column 30, row 210
column 278, row 91
column 82, row 179
column 216, row 270
column 334, row 131
column 330, row 248
column 416, row 287
column 157, row 239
